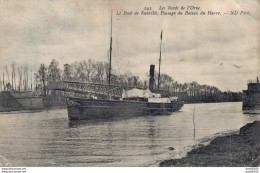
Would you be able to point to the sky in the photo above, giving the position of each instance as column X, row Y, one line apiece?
column 218, row 50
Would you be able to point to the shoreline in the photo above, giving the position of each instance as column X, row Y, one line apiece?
column 233, row 150
column 198, row 102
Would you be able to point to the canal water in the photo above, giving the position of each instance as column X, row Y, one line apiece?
column 47, row 138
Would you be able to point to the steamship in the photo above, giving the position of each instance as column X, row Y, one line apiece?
column 134, row 102
column 251, row 99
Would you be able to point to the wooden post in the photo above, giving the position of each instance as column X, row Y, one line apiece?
column 194, row 122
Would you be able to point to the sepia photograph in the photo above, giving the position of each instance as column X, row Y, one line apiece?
column 129, row 83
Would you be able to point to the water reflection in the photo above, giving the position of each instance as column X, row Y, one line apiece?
column 76, row 124
column 49, row 139
column 251, row 112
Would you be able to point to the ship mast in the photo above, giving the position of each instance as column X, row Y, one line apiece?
column 110, row 57
column 160, row 63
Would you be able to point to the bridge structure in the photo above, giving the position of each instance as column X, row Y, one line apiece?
column 84, row 88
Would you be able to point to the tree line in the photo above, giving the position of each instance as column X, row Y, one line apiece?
column 97, row 72
column 17, row 77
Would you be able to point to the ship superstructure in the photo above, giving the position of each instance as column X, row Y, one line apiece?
column 251, row 99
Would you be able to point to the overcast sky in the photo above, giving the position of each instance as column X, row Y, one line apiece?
column 216, row 50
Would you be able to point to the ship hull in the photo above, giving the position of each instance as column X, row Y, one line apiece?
column 251, row 100
column 49, row 102
column 86, row 109
column 250, row 105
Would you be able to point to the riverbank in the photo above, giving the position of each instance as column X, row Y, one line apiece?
column 236, row 150
column 199, row 102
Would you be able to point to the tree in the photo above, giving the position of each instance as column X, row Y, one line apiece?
column 166, row 82
column 20, row 77
column 67, row 72
column 13, row 76
column 7, row 72
column 1, row 84
column 100, row 72
column 25, row 74
column 42, row 75
column 89, row 69
column 54, row 73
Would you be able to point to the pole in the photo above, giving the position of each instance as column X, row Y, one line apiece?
column 160, row 64
column 194, row 134
column 110, row 57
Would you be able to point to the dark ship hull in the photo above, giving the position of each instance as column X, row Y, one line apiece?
column 52, row 102
column 250, row 106
column 251, row 102
column 251, row 99
column 86, row 109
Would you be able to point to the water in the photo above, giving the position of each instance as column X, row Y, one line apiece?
column 48, row 139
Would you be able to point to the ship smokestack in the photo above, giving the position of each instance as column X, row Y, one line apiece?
column 151, row 79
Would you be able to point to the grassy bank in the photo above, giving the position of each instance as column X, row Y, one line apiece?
column 242, row 150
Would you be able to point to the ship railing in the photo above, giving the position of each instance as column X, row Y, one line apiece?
column 91, row 88
column 116, row 91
